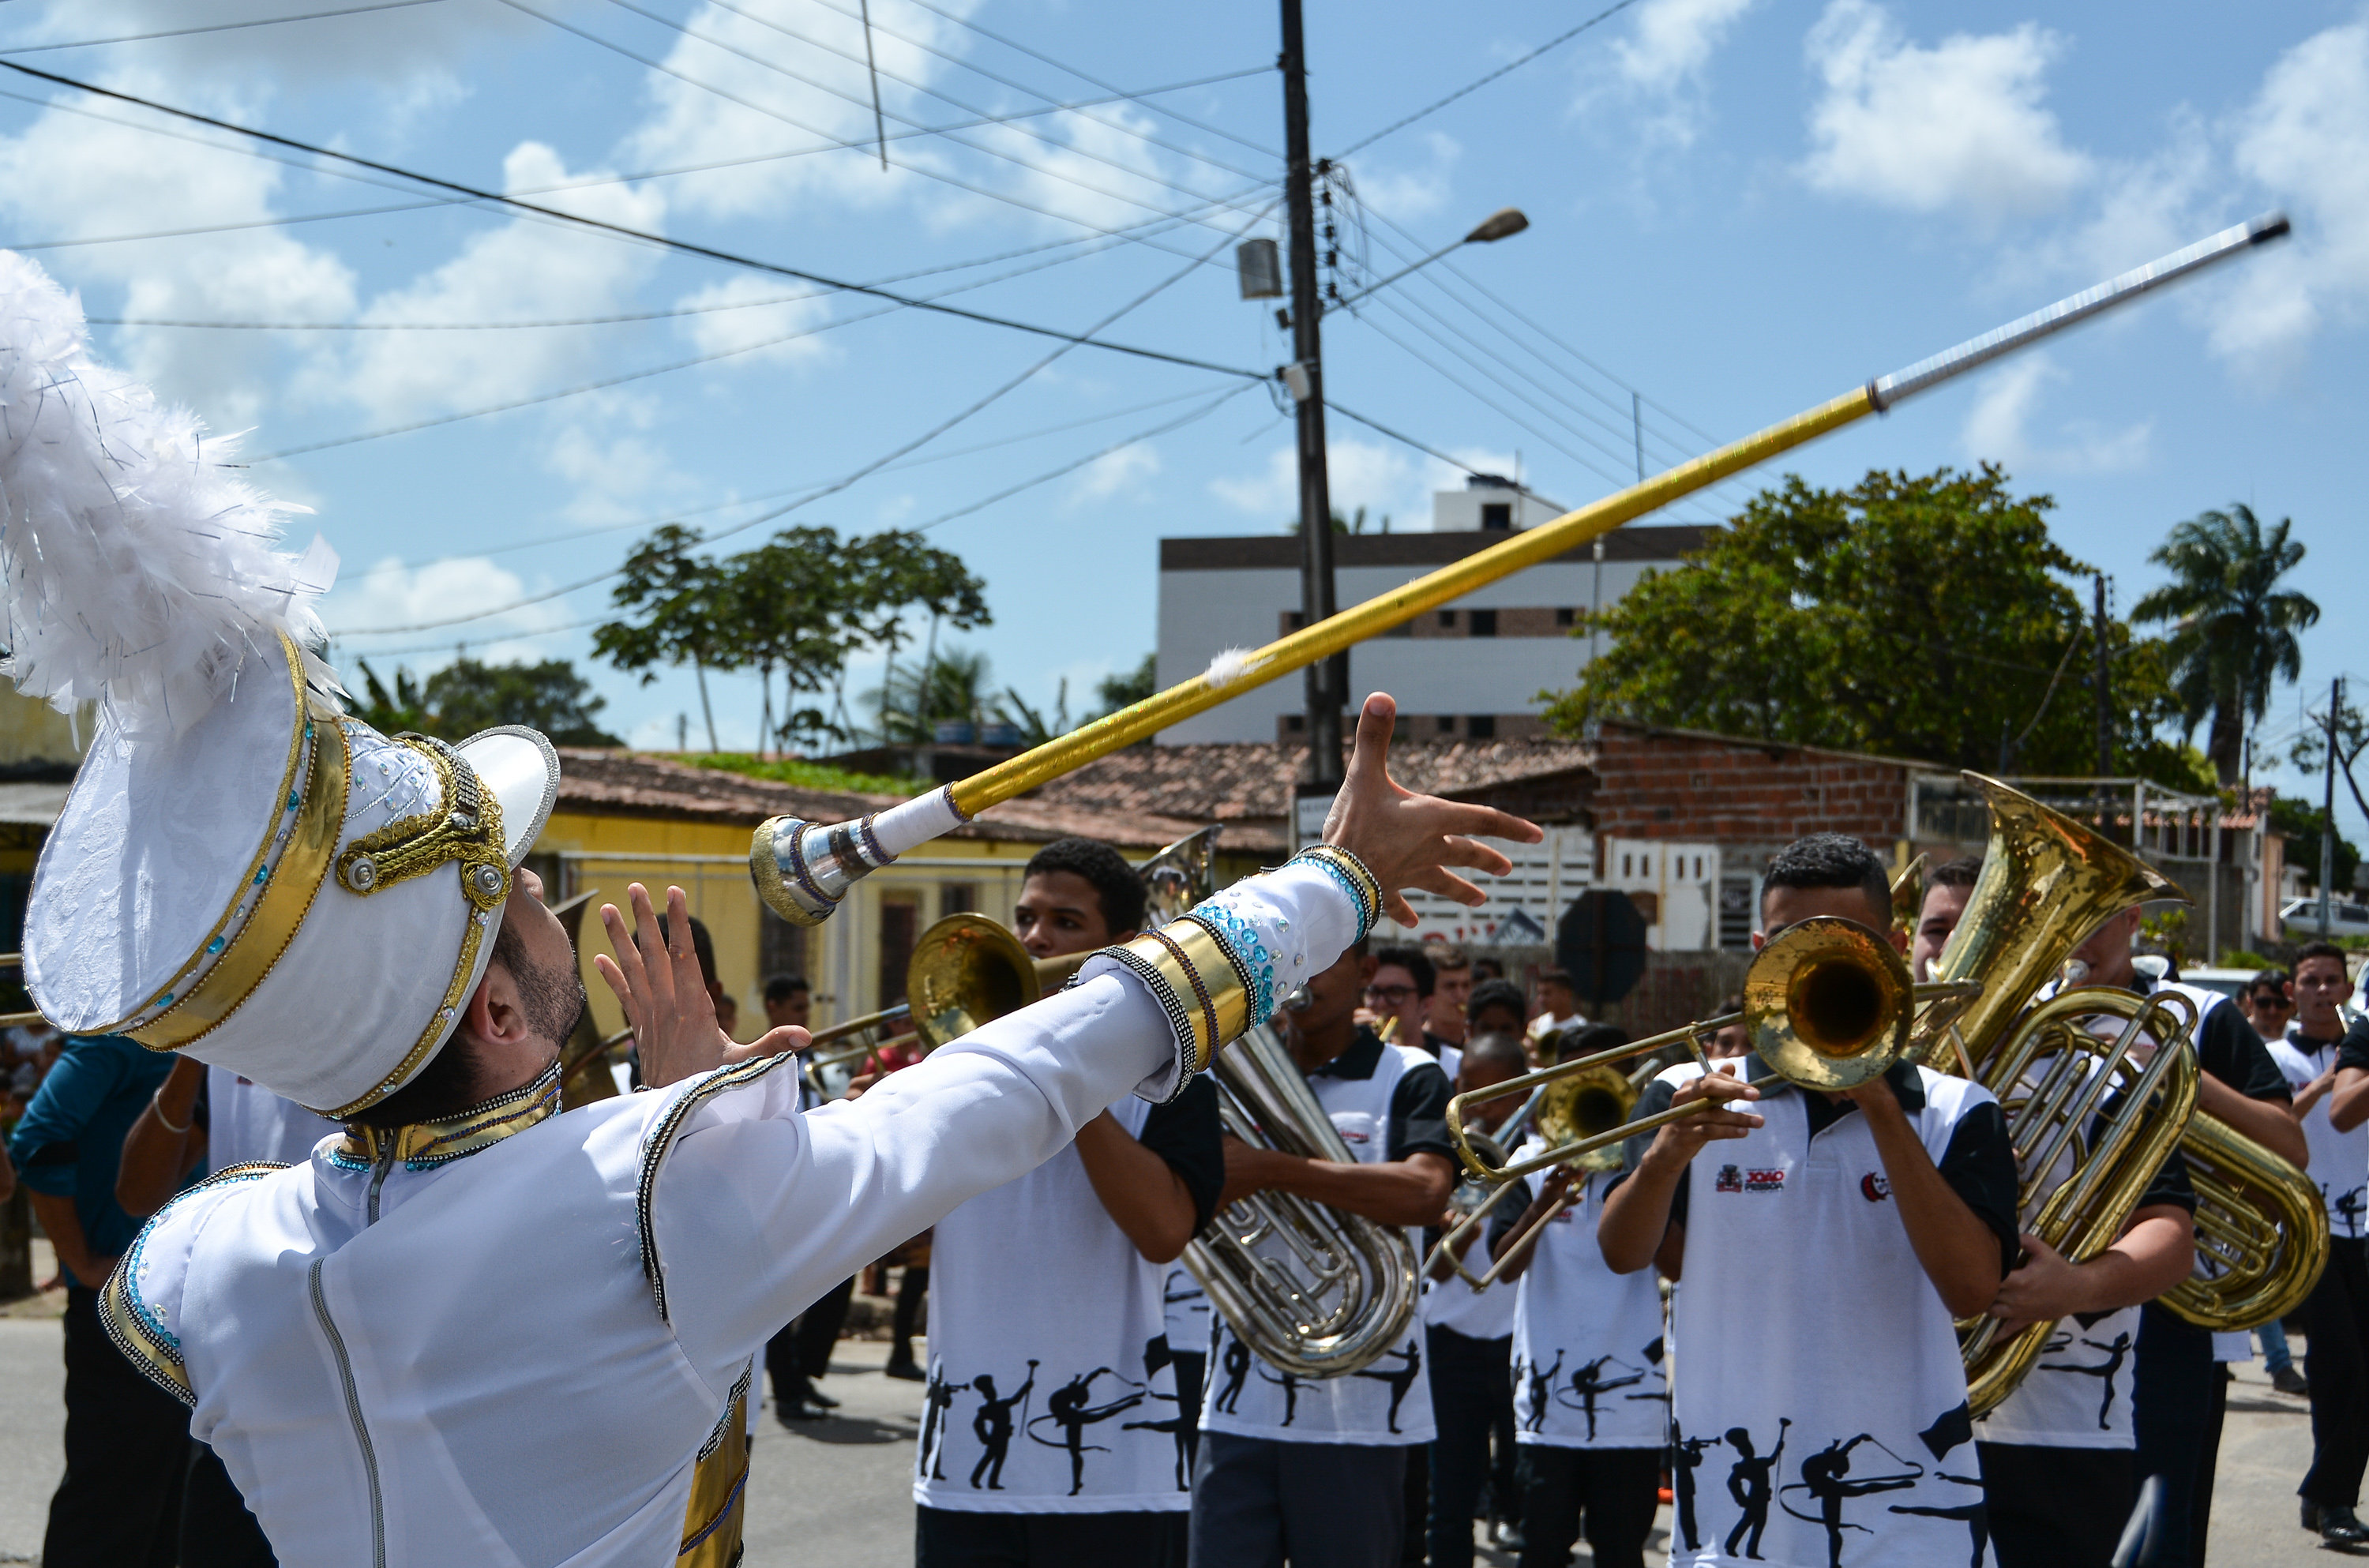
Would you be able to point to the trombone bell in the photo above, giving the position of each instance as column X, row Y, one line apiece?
column 1827, row 1004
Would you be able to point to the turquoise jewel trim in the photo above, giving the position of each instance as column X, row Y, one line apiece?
column 1249, row 954
column 1359, row 899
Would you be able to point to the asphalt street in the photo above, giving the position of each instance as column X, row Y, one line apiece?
column 837, row 1493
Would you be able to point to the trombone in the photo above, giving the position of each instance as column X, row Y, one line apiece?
column 1827, row 1002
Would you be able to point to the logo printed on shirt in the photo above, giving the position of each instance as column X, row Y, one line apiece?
column 1874, row 1188
column 1764, row 1181
column 1349, row 1136
column 1731, row 1180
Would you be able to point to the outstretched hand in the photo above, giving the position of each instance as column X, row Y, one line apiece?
column 1408, row 840
column 665, row 997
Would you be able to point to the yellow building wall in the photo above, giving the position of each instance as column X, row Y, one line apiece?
column 32, row 732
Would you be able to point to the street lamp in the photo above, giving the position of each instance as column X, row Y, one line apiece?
column 1502, row 223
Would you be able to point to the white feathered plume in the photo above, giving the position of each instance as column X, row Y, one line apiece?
column 137, row 570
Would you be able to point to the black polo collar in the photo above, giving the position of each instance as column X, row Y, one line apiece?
column 1363, row 1054
column 1907, row 1086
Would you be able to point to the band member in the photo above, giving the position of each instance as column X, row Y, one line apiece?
column 1469, row 1335
column 1316, row 1469
column 1947, row 887
column 1590, row 1344
column 2179, row 1393
column 1558, row 1011
column 1889, row 1207
column 2337, row 1361
column 1451, row 988
column 2058, row 1454
column 1495, row 1007
column 1061, row 1271
column 1402, row 988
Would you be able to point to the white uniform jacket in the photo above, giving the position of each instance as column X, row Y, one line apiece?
column 511, row 1351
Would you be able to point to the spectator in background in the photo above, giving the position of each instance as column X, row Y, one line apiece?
column 1401, row 989
column 1495, row 1007
column 2267, row 1002
column 119, row 1505
column 1451, row 988
column 1735, row 1039
column 1488, row 969
column 1947, row 888
column 788, row 1000
column 1558, row 1009
column 801, row 1353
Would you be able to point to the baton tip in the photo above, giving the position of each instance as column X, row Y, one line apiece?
column 2268, row 227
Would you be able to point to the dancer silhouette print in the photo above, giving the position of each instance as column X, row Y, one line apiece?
column 937, row 1402
column 1588, row 1383
column 1155, row 1356
column 1291, row 1387
column 1534, row 1415
column 1067, row 1408
column 1236, row 1364
column 1400, row 1382
column 1956, row 1427
column 1823, row 1478
column 1747, row 1483
column 1685, row 1455
column 2116, row 1352
column 992, row 1426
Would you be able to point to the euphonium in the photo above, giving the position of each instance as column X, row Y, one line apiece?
column 2047, row 881
column 1315, row 1291
column 2090, row 1127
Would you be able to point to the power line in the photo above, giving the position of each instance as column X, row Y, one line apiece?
column 851, row 479
column 1047, row 477
column 1514, row 64
column 686, row 247
column 218, row 26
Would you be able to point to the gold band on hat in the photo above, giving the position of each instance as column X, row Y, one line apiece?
column 244, row 956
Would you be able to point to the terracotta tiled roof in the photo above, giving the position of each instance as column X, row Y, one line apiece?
column 632, row 784
column 1247, row 785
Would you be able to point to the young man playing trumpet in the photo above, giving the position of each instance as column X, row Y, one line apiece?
column 1060, row 1272
column 1825, row 1242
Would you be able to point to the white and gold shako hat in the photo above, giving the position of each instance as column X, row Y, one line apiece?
column 242, row 872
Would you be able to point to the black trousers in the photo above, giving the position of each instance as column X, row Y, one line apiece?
column 217, row 1531
column 948, row 1538
column 912, row 1287
column 2056, row 1507
column 119, row 1505
column 1256, row 1501
column 1471, row 1397
column 801, row 1352
column 2178, row 1396
column 1617, row 1489
column 2337, row 1319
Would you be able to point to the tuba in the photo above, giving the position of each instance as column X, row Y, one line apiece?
column 2047, row 881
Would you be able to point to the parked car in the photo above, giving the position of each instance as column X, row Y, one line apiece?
column 2345, row 917
column 2228, row 983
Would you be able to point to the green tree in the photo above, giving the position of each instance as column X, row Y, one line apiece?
column 1926, row 617
column 2233, row 628
column 1129, row 687
column 467, row 696
column 2303, row 822
column 682, row 609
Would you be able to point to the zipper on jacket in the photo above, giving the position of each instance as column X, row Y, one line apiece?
column 354, row 1409
column 378, row 1180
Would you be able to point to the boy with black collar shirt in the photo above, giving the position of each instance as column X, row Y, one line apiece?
column 1056, row 1437
column 1316, row 1469
column 2322, row 1058
column 2179, row 1391
column 2059, row 1452
column 1835, row 1238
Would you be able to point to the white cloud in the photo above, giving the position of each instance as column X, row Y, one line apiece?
column 1361, row 474
column 390, row 594
column 1410, row 193
column 2006, row 403
column 1957, row 127
column 2306, row 138
column 68, row 176
column 758, row 320
column 1671, row 40
column 1115, row 474
column 387, row 46
column 528, row 269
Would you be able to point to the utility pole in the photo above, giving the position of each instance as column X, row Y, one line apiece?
column 2105, row 714
column 2328, row 810
column 1328, row 679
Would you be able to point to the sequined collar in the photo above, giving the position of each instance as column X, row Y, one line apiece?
column 422, row 1146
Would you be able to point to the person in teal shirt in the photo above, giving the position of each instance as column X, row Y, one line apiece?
column 127, row 1441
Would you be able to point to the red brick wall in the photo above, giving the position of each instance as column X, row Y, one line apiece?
column 1675, row 786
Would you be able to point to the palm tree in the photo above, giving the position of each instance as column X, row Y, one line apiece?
column 2234, row 629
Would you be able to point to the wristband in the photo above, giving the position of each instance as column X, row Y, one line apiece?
column 157, row 1103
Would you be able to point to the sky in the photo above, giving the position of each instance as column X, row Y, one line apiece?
column 1738, row 208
